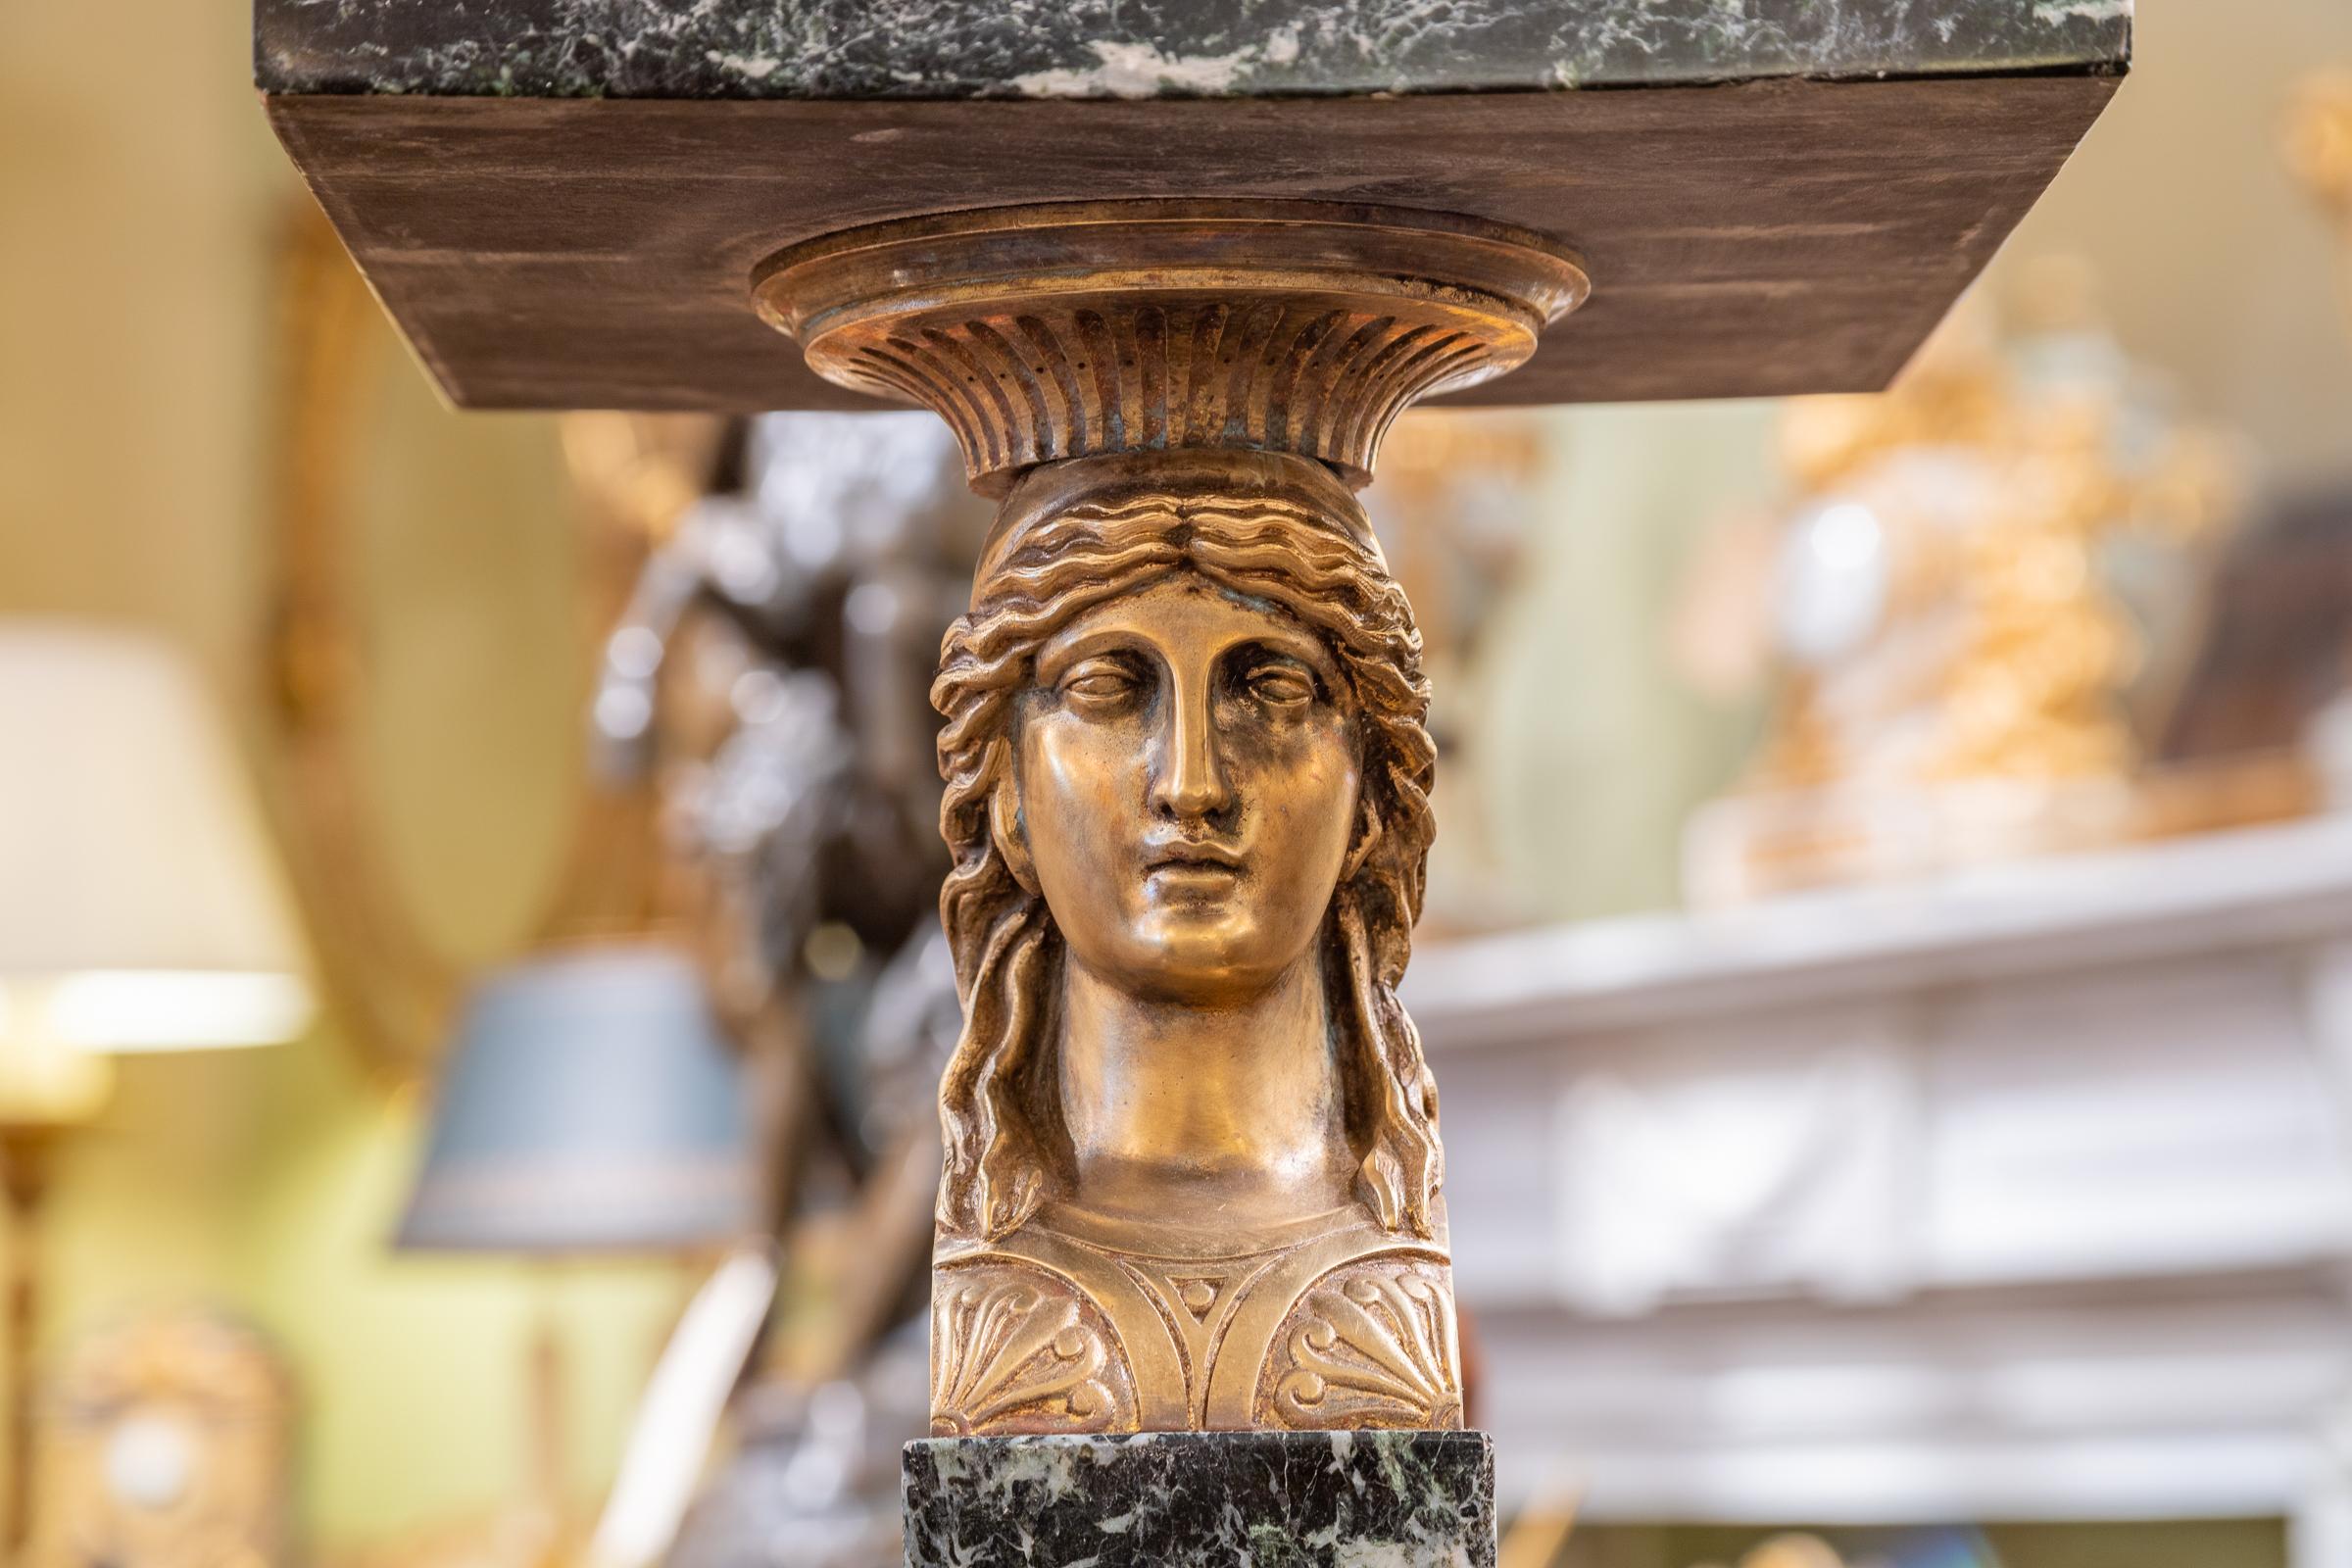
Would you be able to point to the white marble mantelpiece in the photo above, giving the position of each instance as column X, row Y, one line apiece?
column 2021, row 1194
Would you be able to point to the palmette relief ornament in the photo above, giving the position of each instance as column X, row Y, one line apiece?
column 1192, row 1161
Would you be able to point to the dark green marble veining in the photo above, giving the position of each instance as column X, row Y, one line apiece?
column 1202, row 1499
column 1148, row 48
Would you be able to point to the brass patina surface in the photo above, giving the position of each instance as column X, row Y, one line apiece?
column 1077, row 328
column 1193, row 1170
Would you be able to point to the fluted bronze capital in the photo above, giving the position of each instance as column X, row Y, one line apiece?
column 1086, row 328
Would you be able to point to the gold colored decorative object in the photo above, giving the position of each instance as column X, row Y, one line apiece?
column 384, row 973
column 1461, row 495
column 165, row 1442
column 1793, row 1550
column 1192, row 1168
column 2318, row 148
column 390, row 976
column 1960, row 673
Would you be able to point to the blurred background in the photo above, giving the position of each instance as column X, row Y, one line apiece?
column 468, row 1007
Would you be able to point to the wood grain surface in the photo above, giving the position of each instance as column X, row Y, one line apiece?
column 1756, row 239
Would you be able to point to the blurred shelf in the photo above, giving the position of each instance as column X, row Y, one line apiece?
column 2250, row 887
column 2021, row 1194
column 2153, row 1403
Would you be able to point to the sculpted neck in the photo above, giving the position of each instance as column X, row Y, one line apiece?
column 1227, row 1118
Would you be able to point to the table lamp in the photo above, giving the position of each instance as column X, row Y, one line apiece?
column 590, row 1105
column 140, row 907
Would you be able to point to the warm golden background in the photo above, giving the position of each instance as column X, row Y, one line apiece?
column 146, row 210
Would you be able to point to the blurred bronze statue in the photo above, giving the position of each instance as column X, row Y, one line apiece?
column 1191, row 1162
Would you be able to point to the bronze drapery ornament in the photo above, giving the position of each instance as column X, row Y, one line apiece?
column 1193, row 1175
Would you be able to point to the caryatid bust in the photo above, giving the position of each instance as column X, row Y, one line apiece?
column 1192, row 1165
column 1191, row 1149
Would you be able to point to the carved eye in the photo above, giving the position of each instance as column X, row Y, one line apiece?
column 1098, row 683
column 1281, row 685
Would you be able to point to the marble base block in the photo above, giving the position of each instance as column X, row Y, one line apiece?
column 1202, row 1499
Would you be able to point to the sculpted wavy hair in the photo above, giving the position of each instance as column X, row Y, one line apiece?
column 1302, row 552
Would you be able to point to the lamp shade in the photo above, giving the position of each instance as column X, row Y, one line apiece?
column 590, row 1105
column 141, row 906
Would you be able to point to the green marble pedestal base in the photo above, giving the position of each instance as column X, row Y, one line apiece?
column 1202, row 1499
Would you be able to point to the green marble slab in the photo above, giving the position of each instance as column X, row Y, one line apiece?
column 900, row 49
column 1202, row 1499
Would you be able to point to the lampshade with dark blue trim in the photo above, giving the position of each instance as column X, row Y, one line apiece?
column 590, row 1104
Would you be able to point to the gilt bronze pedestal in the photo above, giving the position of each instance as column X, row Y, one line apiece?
column 1193, row 1171
column 1170, row 273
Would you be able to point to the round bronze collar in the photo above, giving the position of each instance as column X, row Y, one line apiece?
column 1083, row 328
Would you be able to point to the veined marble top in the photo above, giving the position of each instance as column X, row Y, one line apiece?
column 914, row 49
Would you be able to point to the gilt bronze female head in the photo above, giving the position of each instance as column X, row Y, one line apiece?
column 1188, row 803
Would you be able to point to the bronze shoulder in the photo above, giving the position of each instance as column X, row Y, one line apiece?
column 1371, row 1344
column 1054, row 1330
column 1017, row 1347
